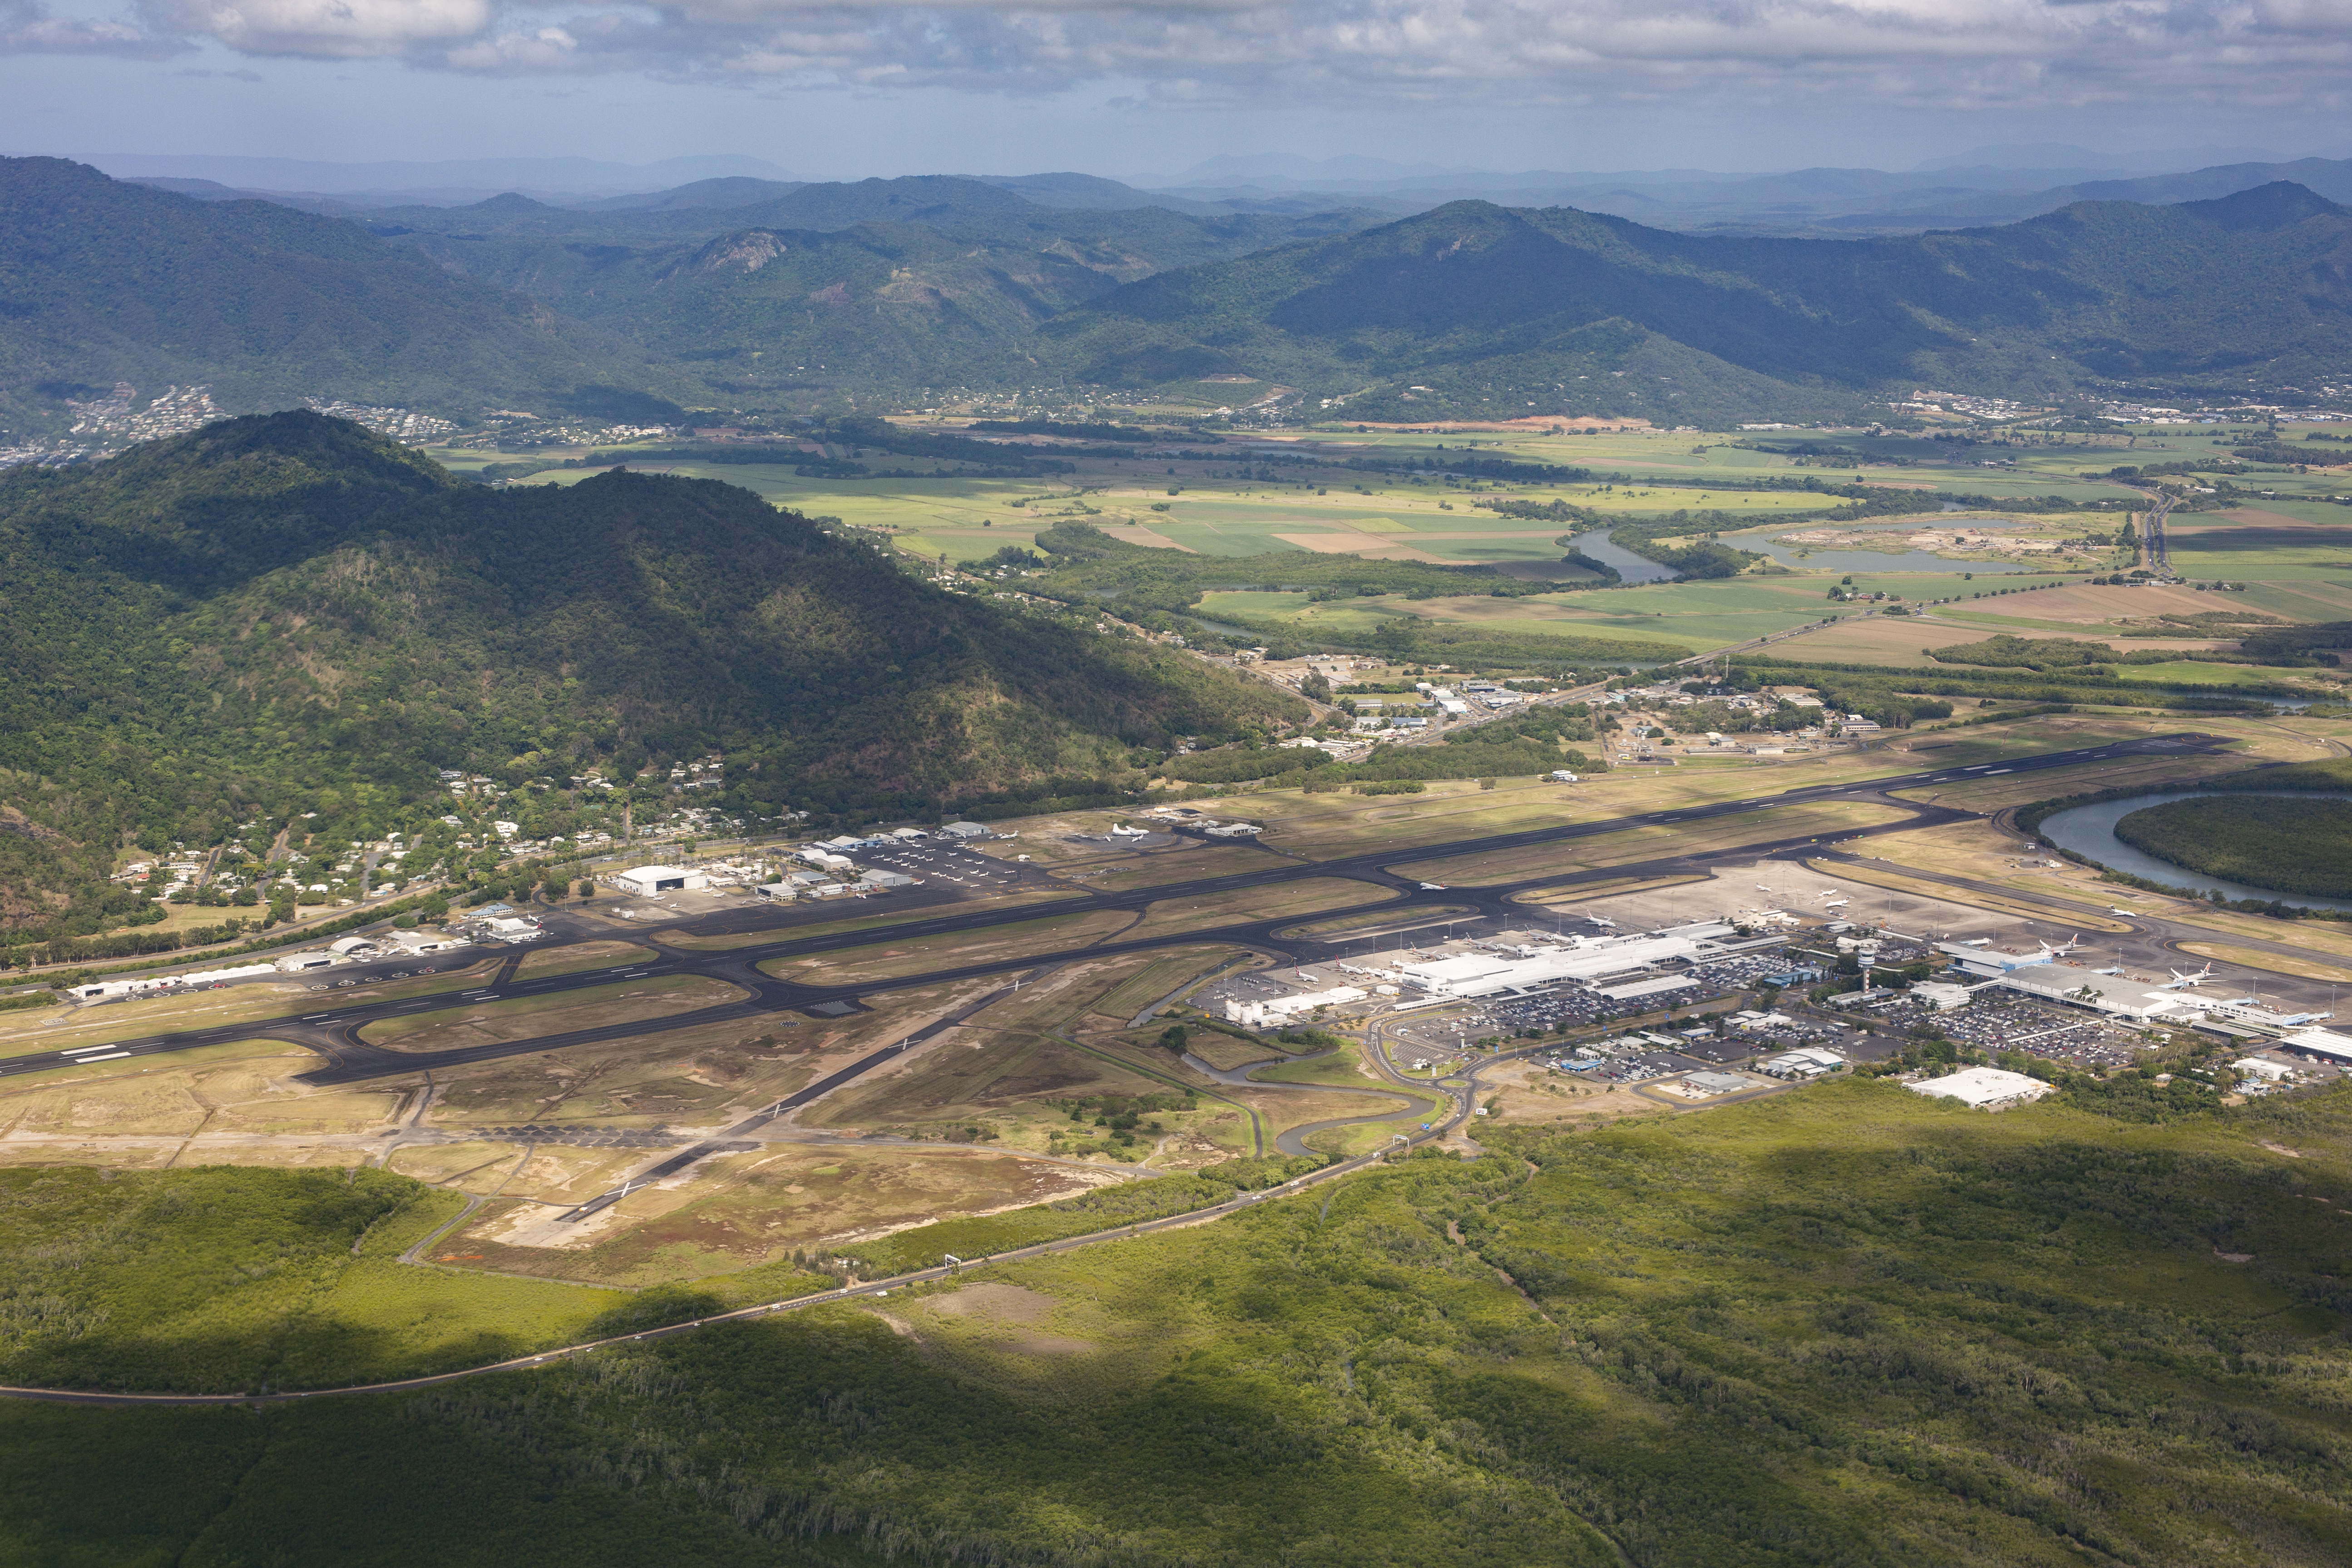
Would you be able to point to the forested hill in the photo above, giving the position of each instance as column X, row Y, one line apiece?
column 289, row 612
column 1493, row 308
column 102, row 280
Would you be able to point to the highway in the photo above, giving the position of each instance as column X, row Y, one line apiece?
column 333, row 1031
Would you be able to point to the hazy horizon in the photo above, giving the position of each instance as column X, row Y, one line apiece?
column 1145, row 89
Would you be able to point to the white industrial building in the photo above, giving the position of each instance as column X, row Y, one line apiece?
column 644, row 881
column 2324, row 1045
column 963, row 830
column 145, row 984
column 2110, row 994
column 1984, row 1089
column 1805, row 1061
column 1581, row 958
column 825, row 859
column 1283, row 1009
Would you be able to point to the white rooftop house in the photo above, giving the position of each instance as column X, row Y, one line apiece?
column 1984, row 1089
column 643, row 882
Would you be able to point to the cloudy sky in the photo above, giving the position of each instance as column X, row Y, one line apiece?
column 1125, row 86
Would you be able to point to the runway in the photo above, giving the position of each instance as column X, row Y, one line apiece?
column 333, row 1032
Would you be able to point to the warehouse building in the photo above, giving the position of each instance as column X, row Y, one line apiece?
column 1280, row 1010
column 1984, row 1089
column 644, row 881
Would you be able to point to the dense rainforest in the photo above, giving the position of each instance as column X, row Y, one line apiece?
column 287, row 613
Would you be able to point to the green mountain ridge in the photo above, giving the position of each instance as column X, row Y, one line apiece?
column 286, row 612
column 103, row 280
column 877, row 292
column 1505, row 310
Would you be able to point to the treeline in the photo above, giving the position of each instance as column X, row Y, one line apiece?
column 1502, row 469
column 2087, row 688
column 2295, row 845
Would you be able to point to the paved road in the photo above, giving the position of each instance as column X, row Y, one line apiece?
column 333, row 1031
column 1292, row 1142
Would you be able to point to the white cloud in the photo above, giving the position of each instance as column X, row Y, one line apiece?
column 1471, row 54
column 27, row 28
column 337, row 29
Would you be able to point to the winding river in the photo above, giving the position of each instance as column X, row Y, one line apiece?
column 2090, row 831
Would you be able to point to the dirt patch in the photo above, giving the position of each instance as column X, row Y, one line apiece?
column 1010, row 1315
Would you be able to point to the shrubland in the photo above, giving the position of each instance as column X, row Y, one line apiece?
column 1845, row 1325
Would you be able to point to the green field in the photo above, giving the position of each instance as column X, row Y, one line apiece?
column 2204, row 673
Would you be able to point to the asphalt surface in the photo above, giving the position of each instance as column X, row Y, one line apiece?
column 333, row 1031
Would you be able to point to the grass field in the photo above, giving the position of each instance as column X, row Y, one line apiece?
column 785, row 931
column 483, row 1023
column 1307, row 895
column 993, row 944
column 579, row 957
column 2274, row 963
column 55, row 1029
column 1828, row 820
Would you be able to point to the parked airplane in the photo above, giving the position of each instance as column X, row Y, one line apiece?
column 1123, row 831
column 2180, row 981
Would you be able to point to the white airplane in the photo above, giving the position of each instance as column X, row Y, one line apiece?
column 2113, row 910
column 1431, row 887
column 1837, row 903
column 2180, row 981
column 1602, row 921
column 2045, row 950
column 1123, row 831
